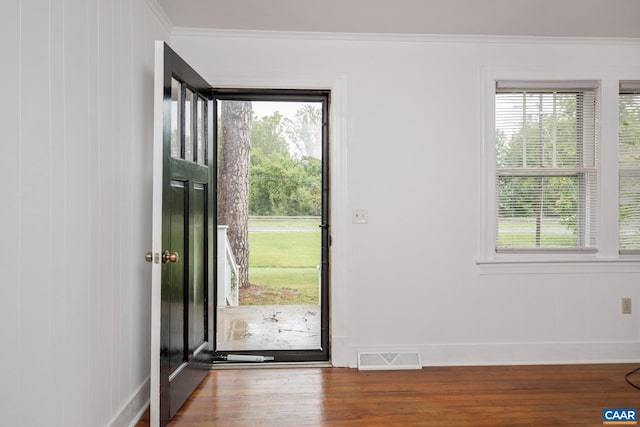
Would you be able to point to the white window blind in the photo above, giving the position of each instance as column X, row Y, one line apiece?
column 629, row 167
column 546, row 166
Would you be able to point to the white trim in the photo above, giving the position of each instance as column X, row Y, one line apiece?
column 156, row 231
column 161, row 15
column 396, row 37
column 487, row 191
column 340, row 350
column 339, row 212
column 557, row 266
column 547, row 84
column 533, row 353
column 608, row 168
column 134, row 408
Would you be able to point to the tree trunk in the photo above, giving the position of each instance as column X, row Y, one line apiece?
column 233, row 180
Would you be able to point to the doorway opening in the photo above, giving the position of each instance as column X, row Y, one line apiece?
column 272, row 282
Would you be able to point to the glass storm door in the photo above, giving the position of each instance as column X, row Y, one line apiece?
column 273, row 226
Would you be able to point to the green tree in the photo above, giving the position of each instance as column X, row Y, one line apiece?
column 629, row 108
column 548, row 138
column 273, row 181
column 304, row 131
column 629, row 159
column 266, row 135
column 282, row 184
column 233, row 180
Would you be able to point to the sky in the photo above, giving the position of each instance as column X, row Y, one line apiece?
column 287, row 109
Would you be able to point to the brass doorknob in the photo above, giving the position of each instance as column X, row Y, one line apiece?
column 170, row 257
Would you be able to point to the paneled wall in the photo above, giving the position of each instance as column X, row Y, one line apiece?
column 76, row 79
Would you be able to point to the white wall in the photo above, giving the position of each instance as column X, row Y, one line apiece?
column 76, row 114
column 409, row 148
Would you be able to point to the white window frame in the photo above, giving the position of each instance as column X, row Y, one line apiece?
column 607, row 255
column 628, row 86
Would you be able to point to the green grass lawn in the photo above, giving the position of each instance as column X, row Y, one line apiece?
column 283, row 286
column 282, row 268
column 521, row 232
column 528, row 240
column 284, row 249
column 308, row 222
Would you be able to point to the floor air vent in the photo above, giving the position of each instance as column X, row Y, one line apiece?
column 379, row 361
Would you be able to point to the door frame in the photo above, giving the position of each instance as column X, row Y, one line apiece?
column 337, row 83
column 156, row 234
column 292, row 95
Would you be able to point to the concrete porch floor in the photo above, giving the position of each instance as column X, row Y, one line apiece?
column 269, row 327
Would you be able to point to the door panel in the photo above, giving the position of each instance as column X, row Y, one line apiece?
column 173, row 310
column 197, row 288
column 183, row 252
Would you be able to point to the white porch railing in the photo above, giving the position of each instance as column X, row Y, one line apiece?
column 227, row 271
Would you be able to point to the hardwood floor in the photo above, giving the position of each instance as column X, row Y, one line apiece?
column 558, row 395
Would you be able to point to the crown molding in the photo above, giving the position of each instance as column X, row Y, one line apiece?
column 401, row 38
column 162, row 16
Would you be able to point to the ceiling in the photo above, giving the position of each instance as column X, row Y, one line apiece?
column 570, row 18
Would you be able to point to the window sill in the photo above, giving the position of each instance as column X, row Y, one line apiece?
column 554, row 265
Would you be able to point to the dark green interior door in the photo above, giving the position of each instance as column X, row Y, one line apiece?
column 188, row 221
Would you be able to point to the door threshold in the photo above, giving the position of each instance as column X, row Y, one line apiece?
column 269, row 365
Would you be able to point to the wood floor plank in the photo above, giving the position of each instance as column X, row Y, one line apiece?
column 543, row 395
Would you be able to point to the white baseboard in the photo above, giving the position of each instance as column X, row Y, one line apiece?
column 134, row 408
column 514, row 353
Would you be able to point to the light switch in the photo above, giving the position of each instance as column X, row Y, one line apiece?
column 359, row 216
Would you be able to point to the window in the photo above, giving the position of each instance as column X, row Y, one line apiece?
column 546, row 166
column 629, row 167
